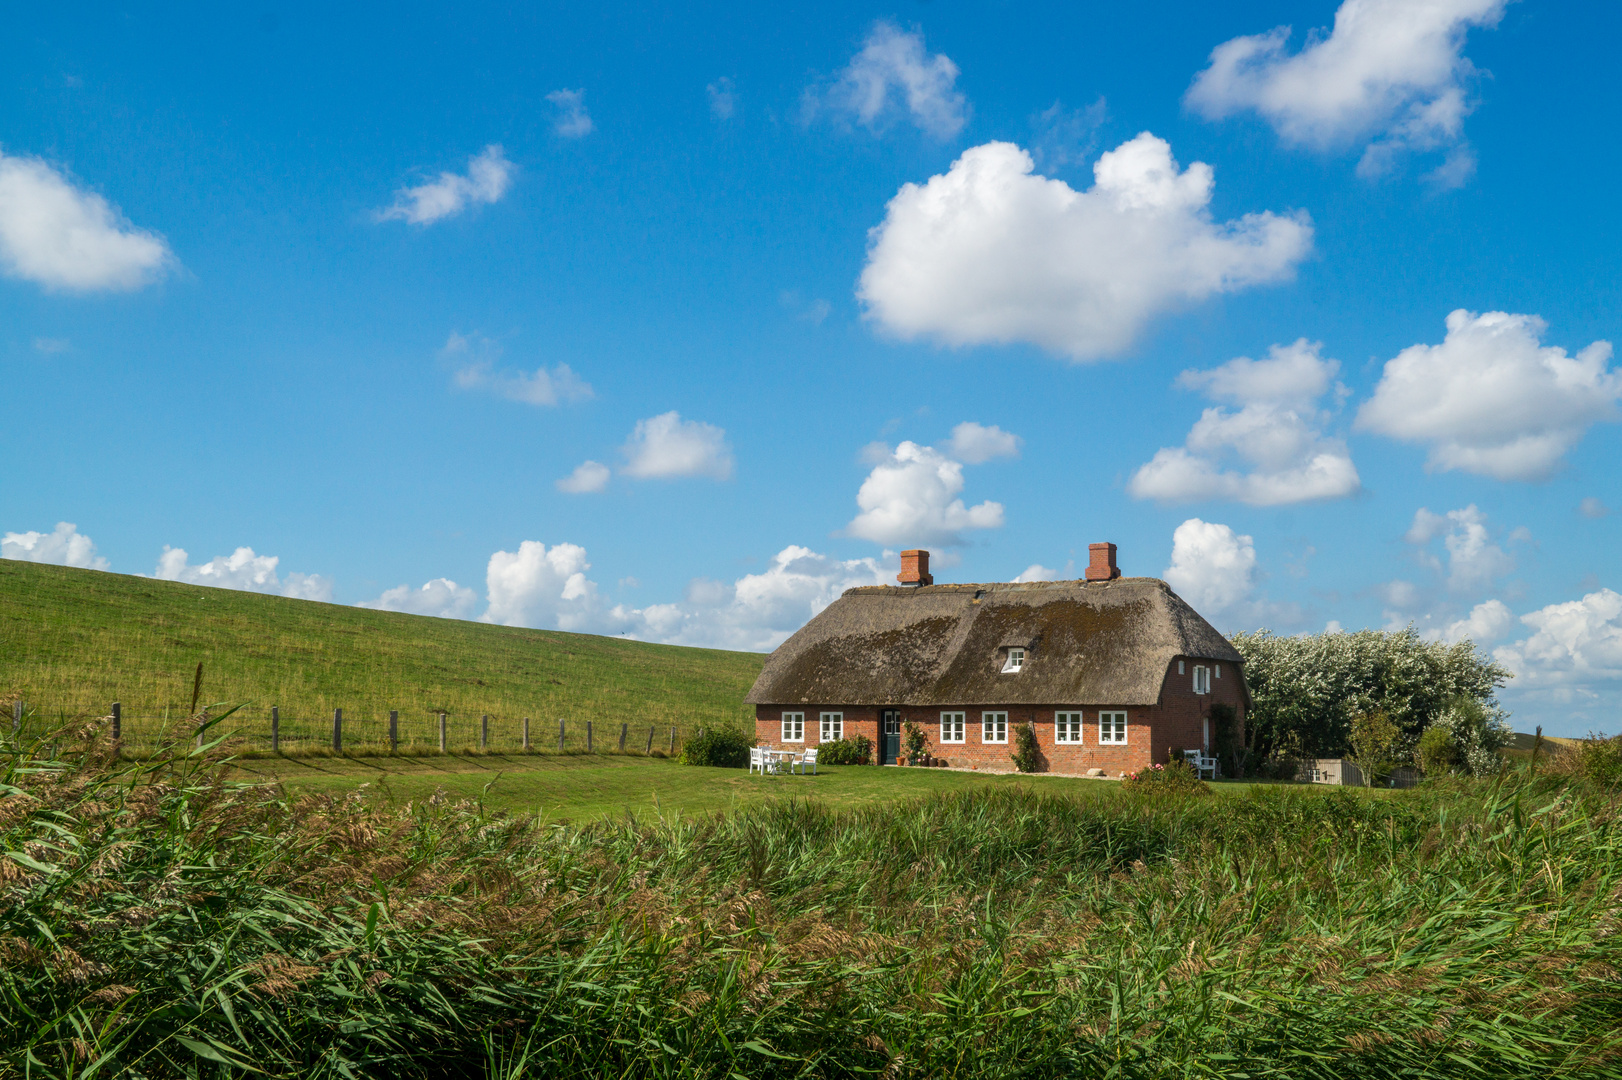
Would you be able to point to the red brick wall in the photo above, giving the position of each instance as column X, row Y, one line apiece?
column 1177, row 722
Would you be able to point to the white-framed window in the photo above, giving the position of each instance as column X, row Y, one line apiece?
column 1112, row 728
column 1180, row 670
column 1202, row 679
column 1067, row 727
column 993, row 727
column 1015, row 661
column 833, row 726
column 1218, row 669
column 794, row 727
column 952, row 727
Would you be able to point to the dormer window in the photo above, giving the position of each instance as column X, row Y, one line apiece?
column 1015, row 661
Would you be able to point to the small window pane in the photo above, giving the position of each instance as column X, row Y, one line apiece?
column 833, row 726
column 952, row 727
column 1112, row 728
column 994, row 727
column 1067, row 727
column 793, row 727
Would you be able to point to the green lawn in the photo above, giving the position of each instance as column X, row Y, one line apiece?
column 582, row 787
column 73, row 641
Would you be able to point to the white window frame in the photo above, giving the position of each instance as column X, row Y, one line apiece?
column 1202, row 679
column 1217, row 670
column 1180, row 670
column 1015, row 662
column 832, row 727
column 1067, row 728
column 1111, row 727
column 953, row 729
column 794, row 727
column 994, row 727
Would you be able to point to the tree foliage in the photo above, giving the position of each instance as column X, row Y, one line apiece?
column 1306, row 690
column 720, row 747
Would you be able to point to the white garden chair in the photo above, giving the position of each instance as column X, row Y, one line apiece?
column 1201, row 763
column 807, row 758
column 757, row 759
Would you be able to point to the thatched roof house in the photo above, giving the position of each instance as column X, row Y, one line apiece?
column 1112, row 672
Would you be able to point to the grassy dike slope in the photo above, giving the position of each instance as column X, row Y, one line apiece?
column 73, row 640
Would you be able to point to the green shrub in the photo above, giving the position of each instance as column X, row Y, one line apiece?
column 1176, row 777
column 723, row 748
column 1479, row 732
column 917, row 744
column 1437, row 751
column 1599, row 760
column 853, row 751
column 1374, row 741
column 1027, row 754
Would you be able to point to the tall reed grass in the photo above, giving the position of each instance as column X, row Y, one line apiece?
column 157, row 920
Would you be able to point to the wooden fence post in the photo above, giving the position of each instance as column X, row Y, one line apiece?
column 394, row 730
column 337, row 730
column 118, row 721
column 484, row 732
column 623, row 729
column 560, row 736
column 526, row 734
column 441, row 733
column 649, row 750
column 672, row 740
column 588, row 736
column 275, row 729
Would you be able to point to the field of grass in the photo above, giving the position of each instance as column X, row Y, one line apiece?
column 73, row 641
column 582, row 788
column 158, row 919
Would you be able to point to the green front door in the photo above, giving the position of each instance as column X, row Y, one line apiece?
column 890, row 737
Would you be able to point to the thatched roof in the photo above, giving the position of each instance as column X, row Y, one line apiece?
column 1090, row 643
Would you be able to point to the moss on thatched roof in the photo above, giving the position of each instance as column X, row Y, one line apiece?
column 1089, row 643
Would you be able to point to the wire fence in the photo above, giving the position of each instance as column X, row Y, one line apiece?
column 259, row 729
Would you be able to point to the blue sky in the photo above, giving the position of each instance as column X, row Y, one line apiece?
column 676, row 324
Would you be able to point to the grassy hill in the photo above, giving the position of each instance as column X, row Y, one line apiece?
column 72, row 641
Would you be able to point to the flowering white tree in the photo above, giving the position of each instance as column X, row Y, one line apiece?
column 1305, row 691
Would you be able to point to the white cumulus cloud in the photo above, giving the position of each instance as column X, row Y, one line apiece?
column 488, row 176
column 1573, row 644
column 1277, row 433
column 1391, row 74
column 63, row 546
column 911, row 499
column 541, row 586
column 1474, row 561
column 1487, row 622
column 1592, row 507
column 758, row 611
column 1038, row 572
column 573, row 121
column 477, row 357
column 666, row 446
column 974, row 443
column 244, row 570
column 588, row 477
column 549, row 587
column 1212, row 567
column 65, row 237
column 1490, row 399
column 990, row 253
column 441, row 597
column 894, row 75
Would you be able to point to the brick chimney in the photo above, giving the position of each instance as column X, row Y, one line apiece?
column 1101, row 567
column 915, row 568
